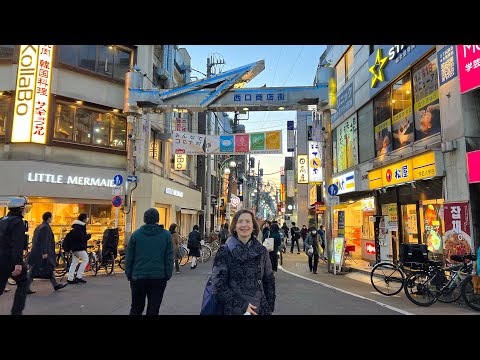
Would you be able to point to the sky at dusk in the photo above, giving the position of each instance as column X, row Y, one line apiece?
column 285, row 65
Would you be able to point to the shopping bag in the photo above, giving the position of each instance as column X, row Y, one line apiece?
column 268, row 243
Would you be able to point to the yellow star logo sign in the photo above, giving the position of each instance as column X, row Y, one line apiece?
column 377, row 68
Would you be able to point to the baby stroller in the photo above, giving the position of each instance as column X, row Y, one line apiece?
column 109, row 251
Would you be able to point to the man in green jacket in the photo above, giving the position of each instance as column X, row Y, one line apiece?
column 149, row 264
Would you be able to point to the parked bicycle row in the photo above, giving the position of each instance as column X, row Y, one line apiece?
column 425, row 280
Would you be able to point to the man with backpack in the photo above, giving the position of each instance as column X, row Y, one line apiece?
column 13, row 241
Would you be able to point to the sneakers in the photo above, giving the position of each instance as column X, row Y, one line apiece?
column 298, row 252
column 59, row 286
column 177, row 272
column 81, row 281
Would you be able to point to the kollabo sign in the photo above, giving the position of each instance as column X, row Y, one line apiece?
column 416, row 168
column 32, row 94
column 69, row 180
column 468, row 67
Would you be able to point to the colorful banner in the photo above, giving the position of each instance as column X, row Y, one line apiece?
column 457, row 240
column 468, row 67
column 315, row 172
column 269, row 142
column 242, row 143
column 433, row 227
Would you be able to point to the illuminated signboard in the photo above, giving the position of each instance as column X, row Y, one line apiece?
column 30, row 119
column 302, row 169
column 315, row 172
column 345, row 182
column 370, row 248
column 473, row 159
column 180, row 162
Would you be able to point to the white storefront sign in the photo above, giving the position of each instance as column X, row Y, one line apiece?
column 173, row 192
column 69, row 180
column 345, row 182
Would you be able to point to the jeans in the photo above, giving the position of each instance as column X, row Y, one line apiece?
column 20, row 293
column 313, row 266
column 152, row 289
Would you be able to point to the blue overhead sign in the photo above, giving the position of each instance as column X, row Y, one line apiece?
column 132, row 178
column 118, row 180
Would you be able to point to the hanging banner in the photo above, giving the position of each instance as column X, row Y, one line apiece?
column 212, row 144
column 290, row 183
column 181, row 124
column 191, row 143
column 456, row 240
column 468, row 69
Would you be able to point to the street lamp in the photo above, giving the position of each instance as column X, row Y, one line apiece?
column 226, row 171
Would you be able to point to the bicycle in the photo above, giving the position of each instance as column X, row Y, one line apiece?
column 106, row 261
column 470, row 295
column 184, row 252
column 424, row 288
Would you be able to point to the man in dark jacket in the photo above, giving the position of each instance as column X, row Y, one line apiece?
column 77, row 243
column 295, row 235
column 194, row 244
column 43, row 252
column 12, row 244
column 149, row 264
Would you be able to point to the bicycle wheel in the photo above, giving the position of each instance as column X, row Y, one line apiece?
column 451, row 294
column 109, row 262
column 205, row 253
column 121, row 262
column 215, row 245
column 61, row 266
column 184, row 253
column 387, row 278
column 471, row 298
column 419, row 288
column 91, row 262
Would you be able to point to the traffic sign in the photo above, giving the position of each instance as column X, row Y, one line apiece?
column 117, row 201
column 132, row 178
column 117, row 180
column 117, row 190
column 332, row 190
column 333, row 200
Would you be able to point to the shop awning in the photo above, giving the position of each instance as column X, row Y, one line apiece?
column 189, row 211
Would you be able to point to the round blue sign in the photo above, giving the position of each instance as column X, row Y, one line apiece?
column 332, row 190
column 117, row 180
column 117, row 201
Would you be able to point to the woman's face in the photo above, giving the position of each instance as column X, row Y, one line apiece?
column 244, row 226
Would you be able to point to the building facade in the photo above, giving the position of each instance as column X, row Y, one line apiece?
column 63, row 136
column 399, row 136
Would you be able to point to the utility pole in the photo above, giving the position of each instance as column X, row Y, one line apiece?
column 327, row 146
column 211, row 62
column 258, row 188
column 208, row 159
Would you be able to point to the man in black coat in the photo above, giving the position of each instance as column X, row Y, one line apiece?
column 43, row 252
column 12, row 244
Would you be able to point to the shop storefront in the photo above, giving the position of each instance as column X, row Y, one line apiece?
column 175, row 202
column 410, row 197
column 64, row 190
column 352, row 217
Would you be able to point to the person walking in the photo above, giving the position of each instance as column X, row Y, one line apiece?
column 77, row 242
column 321, row 232
column 43, row 251
column 304, row 233
column 285, row 231
column 274, row 232
column 313, row 239
column 176, row 243
column 242, row 276
column 224, row 233
column 149, row 264
column 13, row 241
column 295, row 234
column 194, row 244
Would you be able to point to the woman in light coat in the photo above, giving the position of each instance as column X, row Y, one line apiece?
column 176, row 243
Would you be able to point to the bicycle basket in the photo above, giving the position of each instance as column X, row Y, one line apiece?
column 413, row 253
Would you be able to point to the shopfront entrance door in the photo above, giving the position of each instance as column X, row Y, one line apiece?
column 410, row 231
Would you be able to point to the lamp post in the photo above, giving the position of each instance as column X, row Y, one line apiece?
column 226, row 171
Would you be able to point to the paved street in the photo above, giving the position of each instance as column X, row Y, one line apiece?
column 298, row 293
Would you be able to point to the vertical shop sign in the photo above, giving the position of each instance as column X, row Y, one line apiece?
column 290, row 136
column 341, row 223
column 181, row 125
column 468, row 67
column 392, row 217
column 290, row 183
column 433, row 228
column 457, row 240
column 315, row 173
column 447, row 62
column 302, row 169
column 180, row 160
column 32, row 94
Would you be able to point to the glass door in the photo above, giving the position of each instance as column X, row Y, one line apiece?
column 410, row 231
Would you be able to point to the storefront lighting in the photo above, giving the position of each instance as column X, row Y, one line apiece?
column 281, row 108
column 245, row 109
column 116, row 110
column 79, row 102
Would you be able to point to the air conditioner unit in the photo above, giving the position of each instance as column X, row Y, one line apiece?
column 448, row 146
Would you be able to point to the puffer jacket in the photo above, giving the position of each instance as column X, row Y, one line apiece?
column 242, row 274
column 79, row 237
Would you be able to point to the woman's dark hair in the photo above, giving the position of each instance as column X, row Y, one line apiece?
column 275, row 228
column 311, row 228
column 195, row 227
column 82, row 217
column 225, row 226
column 233, row 225
column 46, row 216
column 173, row 228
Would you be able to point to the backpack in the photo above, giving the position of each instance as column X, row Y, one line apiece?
column 67, row 241
column 210, row 304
